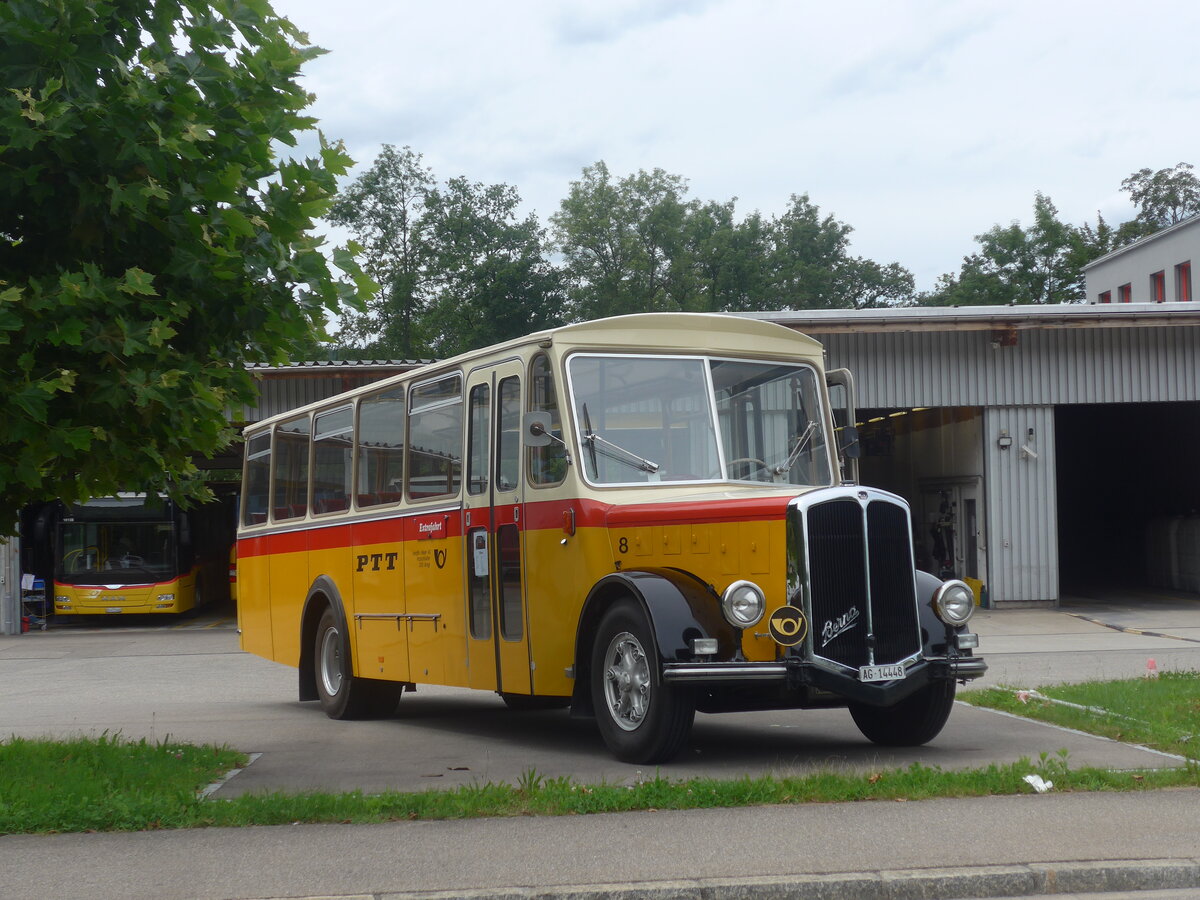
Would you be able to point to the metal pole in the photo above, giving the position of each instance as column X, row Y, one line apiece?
column 10, row 585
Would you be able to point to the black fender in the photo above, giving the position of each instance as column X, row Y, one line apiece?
column 321, row 596
column 679, row 607
column 935, row 634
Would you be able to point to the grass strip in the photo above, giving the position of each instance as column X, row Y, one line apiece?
column 1161, row 712
column 107, row 784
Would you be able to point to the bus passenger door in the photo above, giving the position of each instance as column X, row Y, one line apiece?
column 497, row 638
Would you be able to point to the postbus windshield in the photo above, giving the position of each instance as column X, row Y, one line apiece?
column 126, row 540
column 657, row 418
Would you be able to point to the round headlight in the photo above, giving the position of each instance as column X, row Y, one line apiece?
column 954, row 603
column 743, row 604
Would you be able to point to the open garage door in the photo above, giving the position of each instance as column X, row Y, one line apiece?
column 1125, row 472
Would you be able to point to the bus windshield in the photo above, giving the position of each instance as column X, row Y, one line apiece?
column 118, row 541
column 652, row 419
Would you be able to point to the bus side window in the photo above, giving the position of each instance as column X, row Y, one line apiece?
column 380, row 477
column 547, row 465
column 290, row 495
column 257, row 485
column 435, row 438
column 477, row 439
column 508, row 434
column 333, row 434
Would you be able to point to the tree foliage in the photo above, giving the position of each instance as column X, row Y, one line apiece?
column 639, row 243
column 384, row 207
column 151, row 242
column 459, row 269
column 1044, row 262
column 1165, row 197
column 1018, row 265
column 490, row 278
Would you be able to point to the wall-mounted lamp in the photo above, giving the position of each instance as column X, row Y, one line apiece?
column 1004, row 441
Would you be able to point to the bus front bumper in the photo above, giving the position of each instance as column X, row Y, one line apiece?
column 796, row 672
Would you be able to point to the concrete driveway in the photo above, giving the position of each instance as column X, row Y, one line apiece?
column 188, row 681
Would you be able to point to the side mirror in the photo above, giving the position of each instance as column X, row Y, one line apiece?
column 536, row 426
column 842, row 400
column 848, row 442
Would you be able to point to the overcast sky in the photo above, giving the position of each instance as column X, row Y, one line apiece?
column 920, row 124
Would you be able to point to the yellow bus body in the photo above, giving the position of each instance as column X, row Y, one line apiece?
column 503, row 591
column 176, row 595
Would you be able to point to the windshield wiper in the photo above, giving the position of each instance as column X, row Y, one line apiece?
column 801, row 442
column 598, row 444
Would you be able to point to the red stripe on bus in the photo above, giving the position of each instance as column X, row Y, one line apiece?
column 543, row 515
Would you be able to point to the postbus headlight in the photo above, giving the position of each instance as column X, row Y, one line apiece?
column 743, row 604
column 166, row 598
column 954, row 603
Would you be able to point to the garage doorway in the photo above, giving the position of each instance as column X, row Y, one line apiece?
column 1122, row 469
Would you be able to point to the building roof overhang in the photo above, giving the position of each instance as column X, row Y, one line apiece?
column 986, row 318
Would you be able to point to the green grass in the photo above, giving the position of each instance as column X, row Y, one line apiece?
column 104, row 784
column 109, row 784
column 1162, row 712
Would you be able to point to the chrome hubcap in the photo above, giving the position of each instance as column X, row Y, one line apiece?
column 626, row 681
column 331, row 662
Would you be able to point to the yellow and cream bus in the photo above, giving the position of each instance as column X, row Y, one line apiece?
column 639, row 517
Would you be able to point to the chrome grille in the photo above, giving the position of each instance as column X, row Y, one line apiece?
column 860, row 575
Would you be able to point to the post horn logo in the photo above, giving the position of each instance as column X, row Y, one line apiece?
column 439, row 557
column 788, row 626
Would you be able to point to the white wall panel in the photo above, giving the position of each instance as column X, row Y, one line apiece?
column 1050, row 366
column 1022, row 510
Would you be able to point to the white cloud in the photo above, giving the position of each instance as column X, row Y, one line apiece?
column 920, row 123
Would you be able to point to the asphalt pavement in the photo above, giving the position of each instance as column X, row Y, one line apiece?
column 189, row 682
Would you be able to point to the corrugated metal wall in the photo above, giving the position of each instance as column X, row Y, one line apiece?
column 283, row 390
column 1018, row 386
column 1022, row 507
column 1053, row 366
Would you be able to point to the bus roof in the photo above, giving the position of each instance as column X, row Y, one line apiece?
column 701, row 333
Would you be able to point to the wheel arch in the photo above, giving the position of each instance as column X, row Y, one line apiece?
column 679, row 607
column 322, row 595
column 935, row 634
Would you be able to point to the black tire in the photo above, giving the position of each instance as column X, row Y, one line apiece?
column 641, row 719
column 526, row 703
column 915, row 720
column 342, row 694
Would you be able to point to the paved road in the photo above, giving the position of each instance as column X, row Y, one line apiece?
column 191, row 683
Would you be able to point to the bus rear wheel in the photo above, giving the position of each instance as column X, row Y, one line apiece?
column 915, row 720
column 343, row 695
column 641, row 719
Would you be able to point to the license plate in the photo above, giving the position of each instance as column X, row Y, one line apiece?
column 113, row 609
column 880, row 673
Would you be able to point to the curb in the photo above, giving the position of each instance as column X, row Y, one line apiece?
column 967, row 883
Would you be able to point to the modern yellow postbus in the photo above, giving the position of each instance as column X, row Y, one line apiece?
column 137, row 553
column 639, row 518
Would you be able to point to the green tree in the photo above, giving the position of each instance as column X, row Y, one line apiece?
column 731, row 259
column 151, row 242
column 1165, row 197
column 808, row 251
column 623, row 243
column 868, row 285
column 384, row 208
column 489, row 277
column 1039, row 264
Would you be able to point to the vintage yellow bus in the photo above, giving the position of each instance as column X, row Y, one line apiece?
column 639, row 518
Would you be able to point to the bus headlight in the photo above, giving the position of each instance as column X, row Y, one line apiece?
column 743, row 604
column 954, row 603
column 166, row 598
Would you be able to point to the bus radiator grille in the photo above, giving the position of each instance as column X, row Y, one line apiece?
column 861, row 580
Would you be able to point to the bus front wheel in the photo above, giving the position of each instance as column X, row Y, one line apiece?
column 342, row 694
column 641, row 719
column 915, row 720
